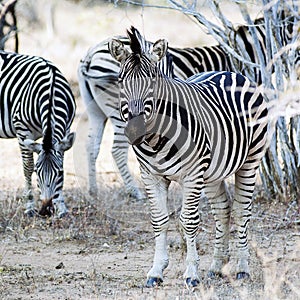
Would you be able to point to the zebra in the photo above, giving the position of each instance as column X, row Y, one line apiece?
column 195, row 132
column 97, row 77
column 36, row 101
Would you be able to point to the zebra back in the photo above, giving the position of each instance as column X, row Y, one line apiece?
column 36, row 93
column 99, row 65
column 243, row 41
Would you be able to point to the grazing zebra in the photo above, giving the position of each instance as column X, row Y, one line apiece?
column 36, row 102
column 97, row 76
column 196, row 132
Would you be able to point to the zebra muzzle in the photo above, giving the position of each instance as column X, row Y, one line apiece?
column 47, row 208
column 135, row 130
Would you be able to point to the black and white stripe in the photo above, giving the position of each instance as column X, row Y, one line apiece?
column 36, row 102
column 197, row 132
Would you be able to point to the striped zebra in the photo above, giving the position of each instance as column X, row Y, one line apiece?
column 97, row 77
column 36, row 102
column 195, row 132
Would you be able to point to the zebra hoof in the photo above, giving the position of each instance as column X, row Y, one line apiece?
column 62, row 214
column 242, row 275
column 153, row 282
column 136, row 194
column 214, row 275
column 191, row 282
column 30, row 213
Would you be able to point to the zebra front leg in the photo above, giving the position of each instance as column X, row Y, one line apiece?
column 244, row 186
column 59, row 206
column 189, row 221
column 97, row 121
column 220, row 205
column 28, row 167
column 160, row 261
column 157, row 191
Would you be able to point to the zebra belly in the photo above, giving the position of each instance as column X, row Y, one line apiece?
column 225, row 163
column 7, row 129
column 25, row 129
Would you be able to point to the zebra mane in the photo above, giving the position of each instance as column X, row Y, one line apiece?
column 136, row 41
column 47, row 140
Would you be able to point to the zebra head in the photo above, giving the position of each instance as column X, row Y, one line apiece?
column 49, row 169
column 138, row 78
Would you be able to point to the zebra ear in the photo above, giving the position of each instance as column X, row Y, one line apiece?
column 158, row 51
column 66, row 143
column 117, row 50
column 32, row 145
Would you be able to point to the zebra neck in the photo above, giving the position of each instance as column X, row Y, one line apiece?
column 178, row 109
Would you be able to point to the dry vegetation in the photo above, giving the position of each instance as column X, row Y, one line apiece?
column 104, row 248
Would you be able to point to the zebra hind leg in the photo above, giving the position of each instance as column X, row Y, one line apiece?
column 242, row 204
column 220, row 205
column 120, row 155
column 97, row 121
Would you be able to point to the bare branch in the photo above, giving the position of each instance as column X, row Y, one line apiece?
column 8, row 8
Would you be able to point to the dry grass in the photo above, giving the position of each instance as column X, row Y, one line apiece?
column 104, row 248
